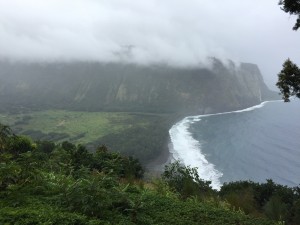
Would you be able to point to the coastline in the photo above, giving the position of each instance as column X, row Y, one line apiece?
column 188, row 150
column 157, row 166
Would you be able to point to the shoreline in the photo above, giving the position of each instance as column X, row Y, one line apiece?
column 188, row 150
column 157, row 165
column 164, row 158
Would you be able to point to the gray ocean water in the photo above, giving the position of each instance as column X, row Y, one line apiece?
column 258, row 143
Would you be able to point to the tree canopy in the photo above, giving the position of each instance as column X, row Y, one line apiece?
column 293, row 8
column 289, row 80
column 289, row 77
column 61, row 183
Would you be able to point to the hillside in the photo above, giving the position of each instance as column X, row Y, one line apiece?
column 44, row 183
column 131, row 88
column 68, row 101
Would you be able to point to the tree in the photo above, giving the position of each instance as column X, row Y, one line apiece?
column 289, row 80
column 289, row 77
column 293, row 8
column 186, row 181
column 17, row 145
column 5, row 133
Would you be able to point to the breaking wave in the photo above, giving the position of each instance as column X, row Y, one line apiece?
column 188, row 150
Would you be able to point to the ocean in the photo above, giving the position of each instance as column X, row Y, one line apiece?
column 258, row 143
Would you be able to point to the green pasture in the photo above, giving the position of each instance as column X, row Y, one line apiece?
column 83, row 127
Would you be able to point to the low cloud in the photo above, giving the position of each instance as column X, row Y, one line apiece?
column 176, row 32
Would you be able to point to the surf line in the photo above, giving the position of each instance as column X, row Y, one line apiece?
column 188, row 150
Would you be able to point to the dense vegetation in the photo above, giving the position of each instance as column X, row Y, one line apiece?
column 142, row 135
column 289, row 80
column 46, row 183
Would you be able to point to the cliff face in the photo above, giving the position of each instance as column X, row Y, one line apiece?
column 118, row 87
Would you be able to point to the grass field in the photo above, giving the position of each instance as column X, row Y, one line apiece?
column 86, row 126
column 142, row 135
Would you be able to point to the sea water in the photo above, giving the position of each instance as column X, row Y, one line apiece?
column 258, row 143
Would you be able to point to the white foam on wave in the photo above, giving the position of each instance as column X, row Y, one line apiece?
column 237, row 111
column 188, row 150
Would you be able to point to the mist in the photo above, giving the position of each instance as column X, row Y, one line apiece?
column 173, row 32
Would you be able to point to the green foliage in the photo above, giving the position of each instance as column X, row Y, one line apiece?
column 289, row 77
column 91, row 196
column 162, row 188
column 244, row 200
column 289, row 80
column 141, row 135
column 276, row 209
column 296, row 212
column 275, row 201
column 65, row 184
column 145, row 139
column 69, row 147
column 45, row 146
column 293, row 8
column 80, row 157
column 17, row 145
column 186, row 180
column 9, row 171
column 40, row 213
column 165, row 210
column 5, row 134
column 115, row 163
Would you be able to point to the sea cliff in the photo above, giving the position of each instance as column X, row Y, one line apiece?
column 131, row 88
column 151, row 99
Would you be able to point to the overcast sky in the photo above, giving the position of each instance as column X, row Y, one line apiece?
column 178, row 32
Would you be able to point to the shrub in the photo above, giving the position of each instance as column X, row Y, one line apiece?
column 186, row 180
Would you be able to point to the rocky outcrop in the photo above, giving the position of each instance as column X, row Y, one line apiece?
column 123, row 87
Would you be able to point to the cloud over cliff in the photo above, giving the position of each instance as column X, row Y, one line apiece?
column 171, row 31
